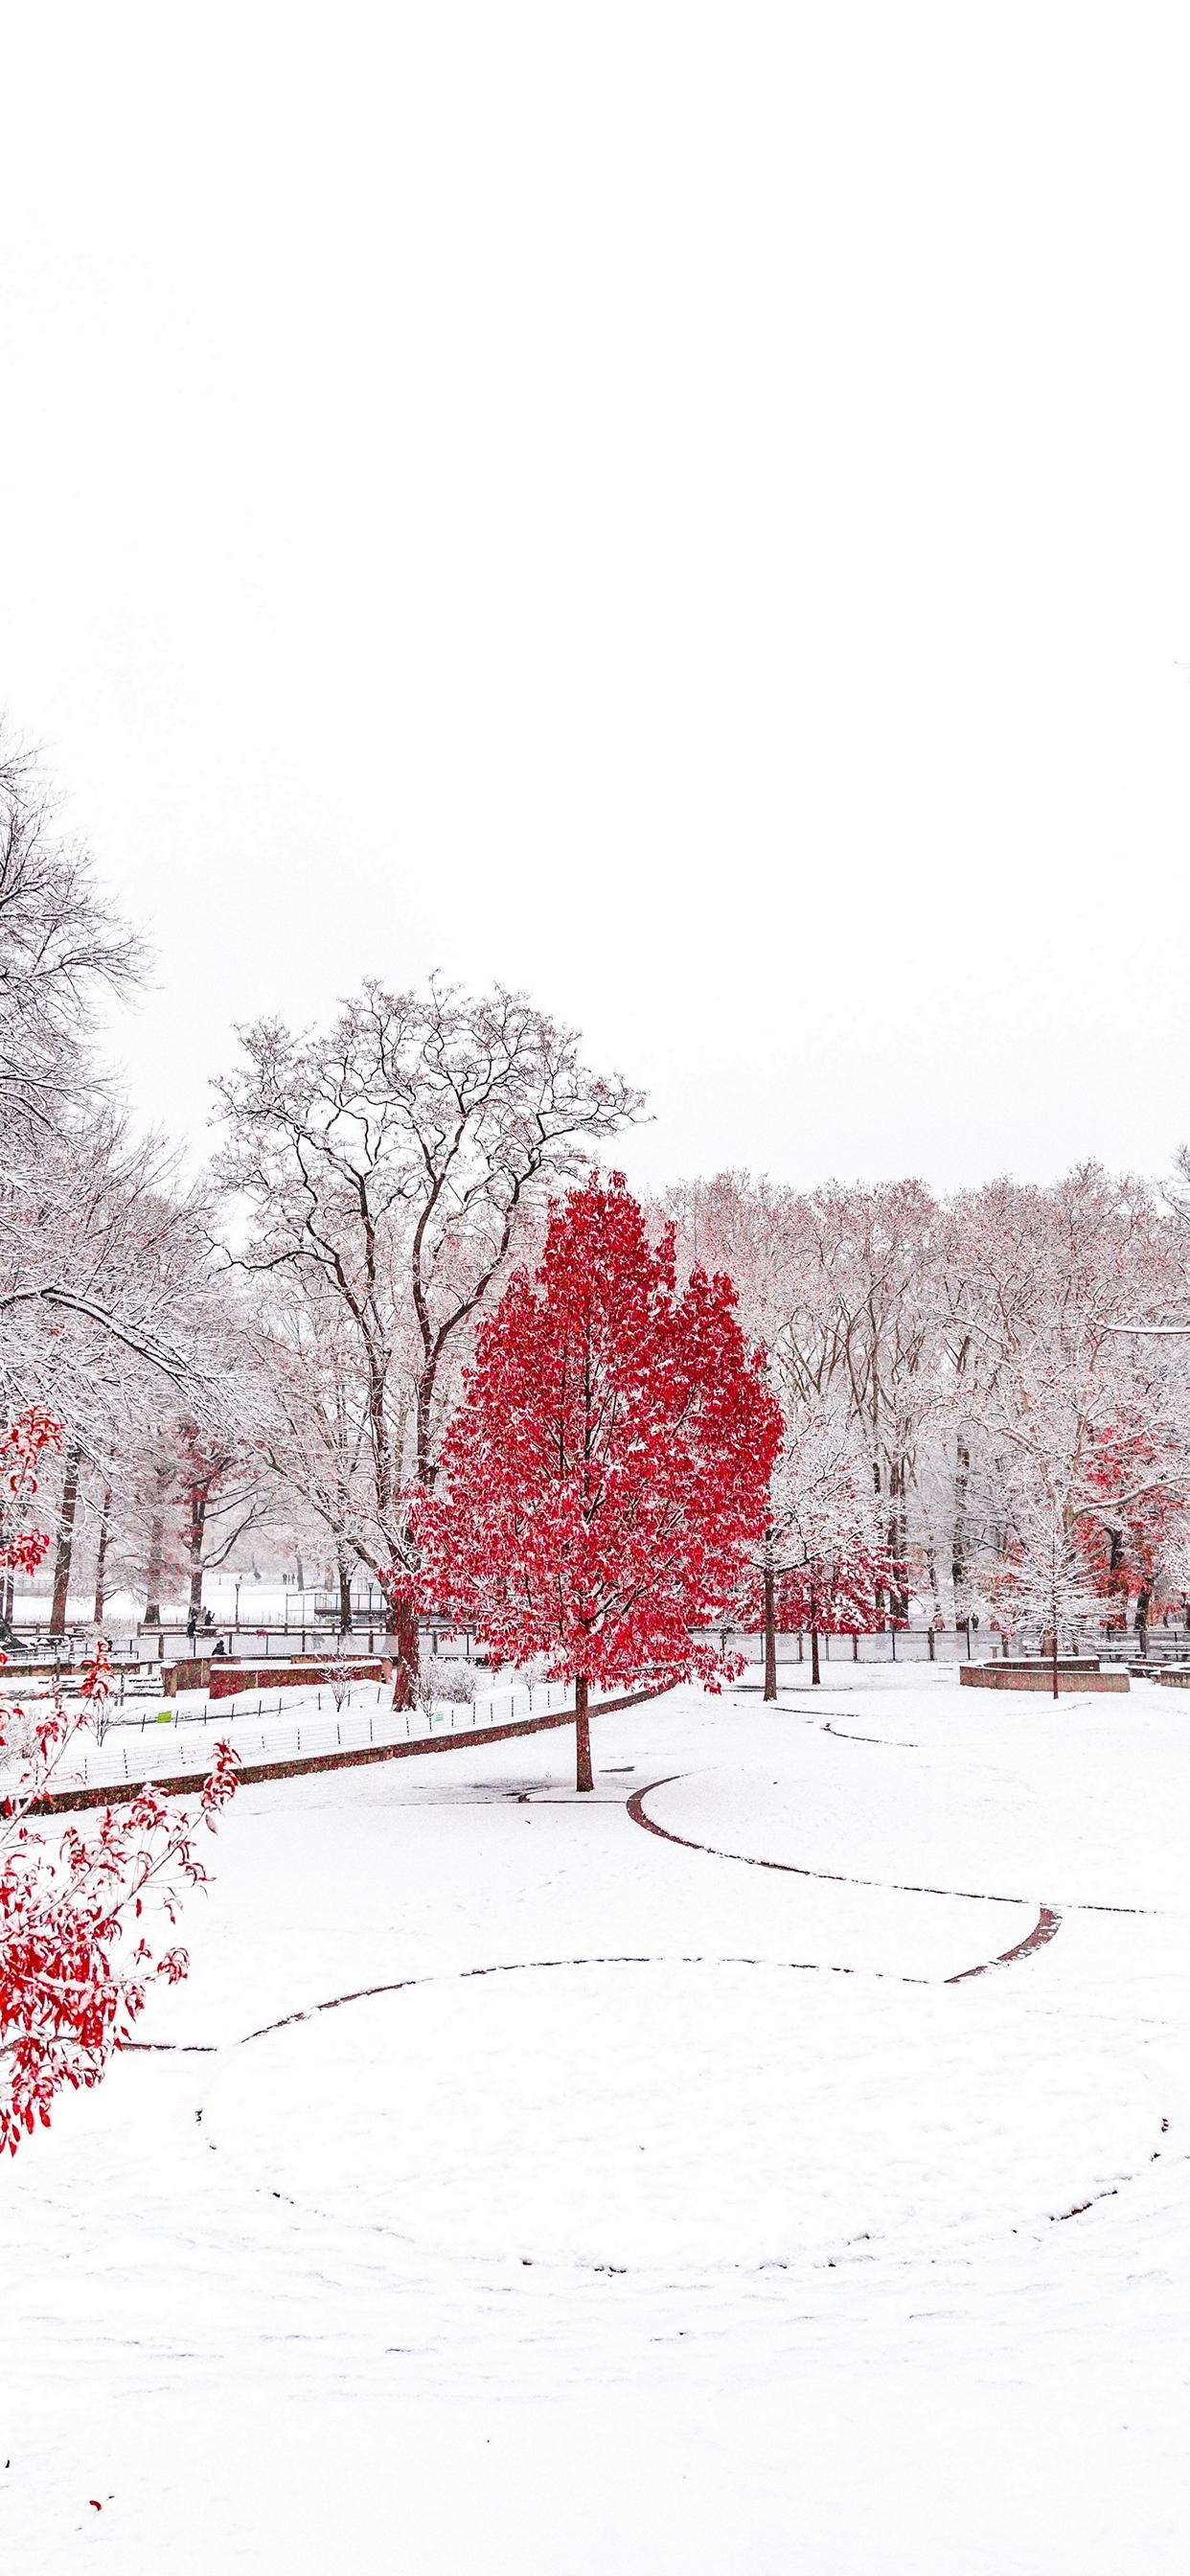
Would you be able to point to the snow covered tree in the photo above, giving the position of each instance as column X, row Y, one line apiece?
column 839, row 1285
column 1134, row 1537
column 1062, row 1478
column 1043, row 1579
column 607, row 1470
column 396, row 1156
column 916, row 1316
column 222, row 1498
column 61, row 952
column 313, row 1428
column 820, row 1563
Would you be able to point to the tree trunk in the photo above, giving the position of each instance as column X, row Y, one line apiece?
column 403, row 1625
column 198, row 1522
column 101, row 1554
column 1117, row 1577
column 770, row 1634
column 815, row 1674
column 1143, row 1598
column 958, row 1549
column 65, row 1547
column 153, row 1571
column 582, row 1730
column 344, row 1566
column 898, row 1543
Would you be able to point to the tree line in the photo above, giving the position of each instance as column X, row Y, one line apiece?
column 981, row 1398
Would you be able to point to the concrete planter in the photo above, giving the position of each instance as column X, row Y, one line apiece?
column 1073, row 1675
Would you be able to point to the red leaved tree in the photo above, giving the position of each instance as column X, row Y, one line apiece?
column 67, row 1901
column 821, row 1564
column 607, row 1470
column 1133, row 1536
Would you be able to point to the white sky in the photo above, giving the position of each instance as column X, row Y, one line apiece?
column 681, row 505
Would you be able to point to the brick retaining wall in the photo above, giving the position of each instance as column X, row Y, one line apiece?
column 227, row 1679
column 1038, row 1677
column 223, row 1679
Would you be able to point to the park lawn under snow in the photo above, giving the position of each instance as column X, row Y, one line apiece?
column 671, row 2211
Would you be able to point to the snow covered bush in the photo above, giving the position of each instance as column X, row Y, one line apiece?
column 530, row 1674
column 452, row 1683
column 19, row 1739
column 338, row 1677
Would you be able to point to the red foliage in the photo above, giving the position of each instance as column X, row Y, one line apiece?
column 1127, row 1540
column 66, row 1899
column 22, row 1444
column 839, row 1592
column 607, row 1470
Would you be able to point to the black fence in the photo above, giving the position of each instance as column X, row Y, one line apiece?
column 168, row 1643
column 149, row 1647
column 969, row 1644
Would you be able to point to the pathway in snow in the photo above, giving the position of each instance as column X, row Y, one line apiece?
column 516, row 2159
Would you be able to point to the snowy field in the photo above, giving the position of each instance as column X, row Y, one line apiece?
column 672, row 2199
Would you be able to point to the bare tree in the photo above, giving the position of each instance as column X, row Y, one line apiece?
column 396, row 1155
column 105, row 1266
column 222, row 1498
column 61, row 950
column 313, row 1434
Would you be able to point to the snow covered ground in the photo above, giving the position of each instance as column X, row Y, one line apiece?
column 668, row 2199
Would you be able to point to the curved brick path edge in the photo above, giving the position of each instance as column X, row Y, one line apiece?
column 515, row 1968
column 1048, row 1921
column 841, row 1878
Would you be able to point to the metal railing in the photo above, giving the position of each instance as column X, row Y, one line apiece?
column 972, row 1642
column 170, row 1641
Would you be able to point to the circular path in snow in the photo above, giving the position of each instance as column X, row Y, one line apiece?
column 679, row 2114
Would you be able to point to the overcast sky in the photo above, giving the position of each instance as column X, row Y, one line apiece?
column 678, row 505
